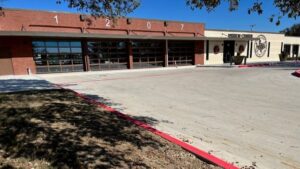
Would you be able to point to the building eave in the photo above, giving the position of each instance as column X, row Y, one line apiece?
column 110, row 36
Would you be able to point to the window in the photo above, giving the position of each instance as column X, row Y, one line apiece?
column 57, row 56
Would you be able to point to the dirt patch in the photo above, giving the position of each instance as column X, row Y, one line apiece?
column 56, row 129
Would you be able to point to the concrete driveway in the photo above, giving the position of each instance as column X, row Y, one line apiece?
column 245, row 116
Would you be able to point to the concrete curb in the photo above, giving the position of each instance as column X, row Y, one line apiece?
column 200, row 153
column 296, row 73
column 115, row 71
column 254, row 65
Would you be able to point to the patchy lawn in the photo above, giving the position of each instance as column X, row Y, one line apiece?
column 55, row 129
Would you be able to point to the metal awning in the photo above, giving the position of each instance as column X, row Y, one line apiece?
column 110, row 36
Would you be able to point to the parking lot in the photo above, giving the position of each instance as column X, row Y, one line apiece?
column 245, row 116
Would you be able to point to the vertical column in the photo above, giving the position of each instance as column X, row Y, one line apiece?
column 207, row 49
column 166, row 54
column 248, row 48
column 199, row 53
column 85, row 54
column 251, row 47
column 130, row 57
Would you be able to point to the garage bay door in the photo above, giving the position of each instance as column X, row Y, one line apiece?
column 108, row 55
column 181, row 53
column 148, row 54
column 57, row 56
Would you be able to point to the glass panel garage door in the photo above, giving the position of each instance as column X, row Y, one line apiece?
column 181, row 53
column 57, row 56
column 148, row 54
column 108, row 55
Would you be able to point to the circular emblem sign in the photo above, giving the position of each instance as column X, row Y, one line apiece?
column 260, row 46
column 216, row 49
column 241, row 48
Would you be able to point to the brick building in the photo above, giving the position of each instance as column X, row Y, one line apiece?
column 52, row 42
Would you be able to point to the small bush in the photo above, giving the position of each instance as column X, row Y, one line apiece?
column 238, row 60
column 283, row 56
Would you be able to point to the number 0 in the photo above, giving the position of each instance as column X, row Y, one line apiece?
column 149, row 25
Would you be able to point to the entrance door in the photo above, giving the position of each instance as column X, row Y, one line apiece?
column 6, row 67
column 287, row 50
column 295, row 51
column 228, row 51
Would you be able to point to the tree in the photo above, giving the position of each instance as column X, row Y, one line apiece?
column 110, row 8
column 292, row 31
column 290, row 8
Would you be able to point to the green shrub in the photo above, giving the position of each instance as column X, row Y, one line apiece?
column 238, row 60
column 283, row 56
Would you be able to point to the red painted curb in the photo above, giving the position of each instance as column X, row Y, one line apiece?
column 188, row 147
column 296, row 73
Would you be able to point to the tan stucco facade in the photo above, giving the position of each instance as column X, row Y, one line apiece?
column 273, row 45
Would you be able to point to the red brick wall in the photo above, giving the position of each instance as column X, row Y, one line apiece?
column 39, row 21
column 199, row 52
column 21, row 53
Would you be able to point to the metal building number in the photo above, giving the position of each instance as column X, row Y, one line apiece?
column 149, row 25
column 182, row 26
column 56, row 19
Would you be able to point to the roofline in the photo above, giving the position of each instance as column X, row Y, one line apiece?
column 290, row 36
column 78, row 13
column 108, row 36
column 227, row 30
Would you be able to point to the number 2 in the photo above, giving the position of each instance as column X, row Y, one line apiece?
column 107, row 21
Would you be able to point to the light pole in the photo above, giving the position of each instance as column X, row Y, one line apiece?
column 252, row 26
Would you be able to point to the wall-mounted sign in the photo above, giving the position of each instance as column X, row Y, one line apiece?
column 240, row 36
column 260, row 46
column 241, row 49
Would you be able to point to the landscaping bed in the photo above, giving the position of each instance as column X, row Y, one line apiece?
column 56, row 129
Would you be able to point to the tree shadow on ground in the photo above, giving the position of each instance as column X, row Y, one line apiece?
column 105, row 101
column 119, row 107
column 55, row 126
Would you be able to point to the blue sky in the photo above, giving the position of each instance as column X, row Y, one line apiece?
column 220, row 18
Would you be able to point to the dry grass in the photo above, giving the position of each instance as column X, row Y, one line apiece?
column 56, row 129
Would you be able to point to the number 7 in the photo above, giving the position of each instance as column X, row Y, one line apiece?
column 56, row 19
column 182, row 26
